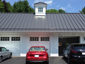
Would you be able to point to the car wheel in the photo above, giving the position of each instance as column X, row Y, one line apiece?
column 27, row 62
column 1, row 59
column 47, row 62
column 10, row 55
column 69, row 61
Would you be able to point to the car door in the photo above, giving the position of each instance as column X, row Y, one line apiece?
column 4, row 53
column 67, row 51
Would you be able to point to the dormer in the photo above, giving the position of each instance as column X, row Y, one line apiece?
column 40, row 8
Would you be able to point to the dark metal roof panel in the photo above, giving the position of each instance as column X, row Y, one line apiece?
column 57, row 22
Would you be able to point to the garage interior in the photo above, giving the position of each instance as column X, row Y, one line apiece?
column 65, row 41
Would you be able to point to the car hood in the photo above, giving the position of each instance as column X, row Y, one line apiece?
column 80, row 49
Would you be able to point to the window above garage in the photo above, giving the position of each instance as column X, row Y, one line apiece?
column 15, row 38
column 39, row 38
column 4, row 39
column 44, row 38
column 34, row 38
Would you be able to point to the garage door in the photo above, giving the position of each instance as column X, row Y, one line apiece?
column 40, row 41
column 27, row 42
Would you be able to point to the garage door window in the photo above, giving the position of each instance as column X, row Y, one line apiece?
column 44, row 38
column 15, row 38
column 34, row 38
column 4, row 38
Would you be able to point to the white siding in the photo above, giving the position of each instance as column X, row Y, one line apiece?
column 40, row 13
column 53, row 46
column 20, row 48
column 82, row 39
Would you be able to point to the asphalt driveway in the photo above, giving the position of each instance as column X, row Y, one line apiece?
column 21, row 60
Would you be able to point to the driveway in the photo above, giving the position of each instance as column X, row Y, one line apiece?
column 21, row 60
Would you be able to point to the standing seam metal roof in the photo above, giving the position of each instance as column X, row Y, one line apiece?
column 57, row 22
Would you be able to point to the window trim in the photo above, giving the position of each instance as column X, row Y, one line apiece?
column 40, row 9
column 4, row 38
column 45, row 39
column 15, row 38
column 34, row 38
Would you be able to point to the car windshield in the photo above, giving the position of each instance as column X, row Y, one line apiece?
column 37, row 49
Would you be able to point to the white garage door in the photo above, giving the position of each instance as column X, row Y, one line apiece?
column 39, row 41
column 33, row 41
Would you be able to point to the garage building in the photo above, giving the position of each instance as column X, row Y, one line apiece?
column 20, row 31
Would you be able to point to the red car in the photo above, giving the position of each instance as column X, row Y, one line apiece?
column 37, row 54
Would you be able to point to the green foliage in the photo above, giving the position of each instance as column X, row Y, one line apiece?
column 9, row 7
column 19, row 7
column 61, row 11
column 52, row 11
column 22, row 6
column 55, row 11
column 83, row 11
column 2, row 7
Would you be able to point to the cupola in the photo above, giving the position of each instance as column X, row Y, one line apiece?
column 40, row 8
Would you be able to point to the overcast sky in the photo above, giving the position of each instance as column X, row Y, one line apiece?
column 73, row 6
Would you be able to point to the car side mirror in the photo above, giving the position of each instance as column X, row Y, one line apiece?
column 7, row 50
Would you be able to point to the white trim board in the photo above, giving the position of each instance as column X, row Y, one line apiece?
column 23, row 55
column 54, row 55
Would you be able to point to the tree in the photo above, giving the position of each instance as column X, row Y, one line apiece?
column 1, row 6
column 61, row 11
column 9, row 7
column 18, row 7
column 83, row 11
column 5, row 6
column 52, row 11
column 22, row 6
column 27, row 7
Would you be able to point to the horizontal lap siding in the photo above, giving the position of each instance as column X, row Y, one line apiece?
column 21, row 47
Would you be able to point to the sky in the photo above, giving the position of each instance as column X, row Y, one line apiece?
column 70, row 6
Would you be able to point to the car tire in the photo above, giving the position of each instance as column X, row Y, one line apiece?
column 10, row 55
column 27, row 62
column 47, row 62
column 1, row 59
column 64, row 57
column 69, row 61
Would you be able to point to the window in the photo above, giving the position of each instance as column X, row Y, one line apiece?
column 44, row 38
column 4, row 38
column 34, row 38
column 4, row 49
column 15, row 38
column 40, row 9
column 37, row 49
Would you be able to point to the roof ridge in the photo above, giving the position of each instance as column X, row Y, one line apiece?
column 46, row 13
column 63, row 13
